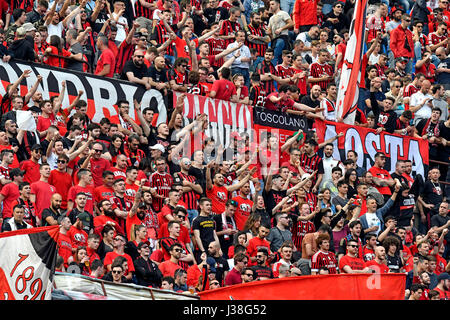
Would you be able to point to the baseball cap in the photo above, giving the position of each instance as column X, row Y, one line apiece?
column 21, row 32
column 159, row 147
column 28, row 26
column 137, row 34
column 143, row 243
column 305, row 176
column 443, row 276
column 85, row 218
column 212, row 264
column 16, row 172
column 37, row 146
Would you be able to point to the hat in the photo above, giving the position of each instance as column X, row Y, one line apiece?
column 443, row 276
column 21, row 32
column 394, row 10
column 16, row 172
column 37, row 146
column 379, row 154
column 236, row 136
column 85, row 218
column 401, row 59
column 159, row 147
column 137, row 35
column 212, row 264
column 28, row 27
column 143, row 243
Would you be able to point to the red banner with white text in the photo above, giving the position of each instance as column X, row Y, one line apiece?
column 324, row 287
column 366, row 142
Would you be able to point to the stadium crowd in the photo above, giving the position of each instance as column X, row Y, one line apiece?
column 132, row 207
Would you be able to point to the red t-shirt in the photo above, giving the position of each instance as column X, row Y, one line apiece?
column 106, row 58
column 43, row 191
column 62, row 181
column 97, row 168
column 218, row 196
column 10, row 193
column 119, row 174
column 89, row 191
column 379, row 268
column 282, row 105
column 253, row 245
column 182, row 49
column 65, row 247
column 383, row 175
column 242, row 212
column 44, row 123
column 103, row 192
column 354, row 263
column 168, row 268
column 31, row 171
column 110, row 256
column 56, row 61
column 224, row 89
column 78, row 237
column 15, row 163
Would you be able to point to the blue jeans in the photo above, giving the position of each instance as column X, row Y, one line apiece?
column 244, row 72
column 287, row 5
column 277, row 51
column 170, row 58
column 192, row 214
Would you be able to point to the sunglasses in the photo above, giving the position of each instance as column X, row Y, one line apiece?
column 181, row 216
column 139, row 56
column 183, row 65
column 177, row 250
column 215, row 283
column 118, row 239
column 249, row 274
column 97, row 150
column 61, row 161
column 116, row 271
column 353, row 245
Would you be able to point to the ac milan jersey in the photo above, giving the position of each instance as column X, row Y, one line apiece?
column 216, row 47
column 299, row 230
column 260, row 46
column 324, row 259
column 265, row 68
column 229, row 27
column 318, row 70
column 189, row 197
column 434, row 38
column 162, row 182
column 257, row 96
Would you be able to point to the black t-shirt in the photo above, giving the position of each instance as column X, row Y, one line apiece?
column 438, row 221
column 49, row 213
column 206, row 226
column 221, row 267
column 138, row 72
column 394, row 263
column 310, row 103
column 98, row 23
column 200, row 175
column 262, row 271
column 215, row 14
column 157, row 76
column 433, row 193
column 272, row 198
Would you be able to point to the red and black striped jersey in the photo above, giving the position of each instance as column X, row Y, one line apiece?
column 318, row 70
column 228, row 28
column 311, row 164
column 126, row 51
column 264, row 68
column 257, row 96
column 27, row 5
column 160, row 35
column 260, row 47
column 197, row 4
column 284, row 72
column 423, row 39
column 311, row 199
column 123, row 205
column 216, row 46
column 299, row 230
column 141, row 11
column 165, row 244
column 198, row 89
column 179, row 78
column 163, row 183
column 190, row 197
column 409, row 90
column 324, row 259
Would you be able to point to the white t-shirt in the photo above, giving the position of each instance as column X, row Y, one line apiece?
column 121, row 22
column 55, row 29
column 373, row 220
column 278, row 21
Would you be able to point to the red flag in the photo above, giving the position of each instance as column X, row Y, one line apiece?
column 348, row 91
